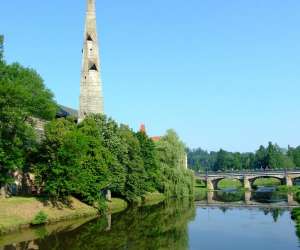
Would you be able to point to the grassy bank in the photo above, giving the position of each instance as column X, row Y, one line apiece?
column 152, row 198
column 267, row 182
column 19, row 212
column 229, row 183
column 117, row 205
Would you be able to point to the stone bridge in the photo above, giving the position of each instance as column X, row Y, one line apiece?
column 247, row 178
column 248, row 201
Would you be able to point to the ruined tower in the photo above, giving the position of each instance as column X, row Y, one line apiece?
column 91, row 97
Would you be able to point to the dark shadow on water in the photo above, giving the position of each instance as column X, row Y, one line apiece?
column 268, row 195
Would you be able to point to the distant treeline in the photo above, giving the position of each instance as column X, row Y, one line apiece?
column 270, row 157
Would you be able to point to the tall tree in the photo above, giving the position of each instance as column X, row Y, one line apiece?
column 294, row 154
column 177, row 181
column 135, row 184
column 73, row 161
column 149, row 156
column 109, row 134
column 22, row 95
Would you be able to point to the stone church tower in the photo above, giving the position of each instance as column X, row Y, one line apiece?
column 91, row 97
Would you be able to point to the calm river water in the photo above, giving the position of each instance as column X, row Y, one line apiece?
column 170, row 225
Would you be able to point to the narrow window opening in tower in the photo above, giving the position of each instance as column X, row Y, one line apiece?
column 93, row 67
column 89, row 38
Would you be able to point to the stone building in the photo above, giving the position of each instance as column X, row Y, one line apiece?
column 91, row 97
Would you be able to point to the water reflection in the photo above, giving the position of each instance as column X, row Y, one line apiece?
column 163, row 226
column 178, row 225
column 260, row 197
column 247, row 228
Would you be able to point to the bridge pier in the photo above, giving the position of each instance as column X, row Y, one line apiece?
column 289, row 181
column 290, row 199
column 247, row 184
column 248, row 195
column 210, row 184
column 210, row 197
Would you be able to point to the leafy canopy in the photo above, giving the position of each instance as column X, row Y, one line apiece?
column 22, row 95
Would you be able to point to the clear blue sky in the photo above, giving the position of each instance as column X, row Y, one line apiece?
column 223, row 74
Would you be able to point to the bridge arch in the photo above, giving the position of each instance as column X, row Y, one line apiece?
column 213, row 183
column 296, row 180
column 225, row 182
column 280, row 180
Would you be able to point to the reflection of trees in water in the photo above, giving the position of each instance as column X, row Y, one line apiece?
column 296, row 217
column 239, row 195
column 274, row 212
column 269, row 197
column 29, row 245
column 162, row 226
column 229, row 196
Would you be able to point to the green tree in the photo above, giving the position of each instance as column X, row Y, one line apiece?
column 109, row 134
column 22, row 96
column 276, row 158
column 136, row 176
column 73, row 161
column 176, row 180
column 261, row 161
column 171, row 150
column 294, row 154
column 149, row 156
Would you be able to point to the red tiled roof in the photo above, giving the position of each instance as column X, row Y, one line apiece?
column 156, row 138
column 143, row 128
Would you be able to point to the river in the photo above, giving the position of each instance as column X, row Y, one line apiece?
column 173, row 225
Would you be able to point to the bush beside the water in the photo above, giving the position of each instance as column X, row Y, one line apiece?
column 200, row 193
column 40, row 219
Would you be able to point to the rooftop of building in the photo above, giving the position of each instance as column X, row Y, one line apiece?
column 66, row 111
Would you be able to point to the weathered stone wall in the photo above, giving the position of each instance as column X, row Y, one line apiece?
column 39, row 126
column 91, row 97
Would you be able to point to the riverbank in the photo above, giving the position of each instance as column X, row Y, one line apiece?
column 18, row 212
column 150, row 199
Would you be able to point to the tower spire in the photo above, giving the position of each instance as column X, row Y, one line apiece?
column 91, row 97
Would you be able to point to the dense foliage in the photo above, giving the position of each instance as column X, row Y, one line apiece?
column 98, row 154
column 270, row 157
column 22, row 96
column 171, row 155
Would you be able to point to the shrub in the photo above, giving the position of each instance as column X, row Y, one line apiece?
column 40, row 219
